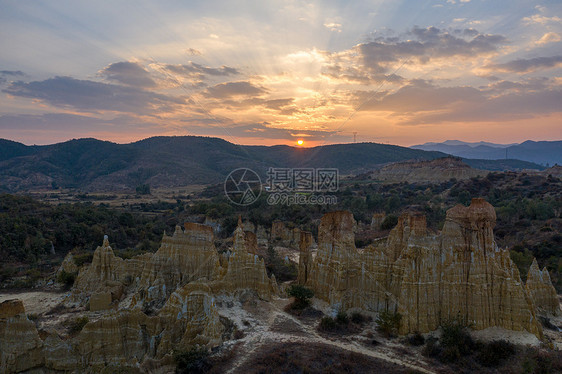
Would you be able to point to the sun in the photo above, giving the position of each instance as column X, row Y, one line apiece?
column 300, row 142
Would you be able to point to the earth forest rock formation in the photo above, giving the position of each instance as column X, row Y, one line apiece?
column 150, row 305
column 429, row 278
column 144, row 308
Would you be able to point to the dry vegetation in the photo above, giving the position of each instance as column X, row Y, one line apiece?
column 315, row 358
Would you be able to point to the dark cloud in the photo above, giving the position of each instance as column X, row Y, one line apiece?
column 360, row 75
column 278, row 103
column 13, row 73
column 428, row 43
column 193, row 69
column 284, row 106
column 56, row 127
column 260, row 130
column 193, row 52
column 9, row 73
column 470, row 32
column 129, row 73
column 531, row 84
column 233, row 89
column 49, row 121
column 527, row 65
column 374, row 61
column 93, row 96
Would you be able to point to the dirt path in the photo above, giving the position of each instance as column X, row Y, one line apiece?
column 258, row 339
column 35, row 302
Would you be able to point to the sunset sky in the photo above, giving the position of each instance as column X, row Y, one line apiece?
column 273, row 72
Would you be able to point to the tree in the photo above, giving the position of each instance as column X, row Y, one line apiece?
column 302, row 296
column 143, row 189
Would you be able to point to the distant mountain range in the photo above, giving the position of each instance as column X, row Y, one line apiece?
column 475, row 144
column 543, row 152
column 91, row 164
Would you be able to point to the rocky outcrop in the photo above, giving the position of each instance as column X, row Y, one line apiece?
column 184, row 257
column 305, row 256
column 259, row 231
column 107, row 274
column 288, row 237
column 251, row 242
column 126, row 338
column 169, row 305
column 21, row 348
column 377, row 220
column 190, row 317
column 11, row 308
column 68, row 265
column 122, row 338
column 540, row 289
column 100, row 301
column 428, row 278
column 118, row 339
column 555, row 171
column 188, row 255
column 244, row 270
column 438, row 170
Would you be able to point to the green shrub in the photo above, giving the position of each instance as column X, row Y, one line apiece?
column 493, row 353
column 450, row 354
column 431, row 348
column 358, row 318
column 194, row 360
column 541, row 362
column 143, row 189
column 302, row 296
column 389, row 222
column 83, row 258
column 455, row 334
column 388, row 323
column 283, row 271
column 66, row 278
column 327, row 324
column 416, row 339
column 342, row 318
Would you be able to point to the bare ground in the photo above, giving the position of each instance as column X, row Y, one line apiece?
column 273, row 327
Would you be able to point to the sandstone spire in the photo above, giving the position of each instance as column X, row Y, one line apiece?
column 428, row 278
column 539, row 287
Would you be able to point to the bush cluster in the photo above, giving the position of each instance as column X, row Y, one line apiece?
column 343, row 323
column 302, row 296
column 66, row 278
column 194, row 360
column 388, row 323
column 456, row 346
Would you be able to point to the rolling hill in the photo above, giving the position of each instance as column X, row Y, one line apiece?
column 91, row 164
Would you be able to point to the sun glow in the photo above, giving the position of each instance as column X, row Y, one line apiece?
column 300, row 142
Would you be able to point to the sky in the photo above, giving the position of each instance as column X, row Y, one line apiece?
column 273, row 72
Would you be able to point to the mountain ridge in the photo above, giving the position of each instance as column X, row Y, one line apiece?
column 540, row 152
column 92, row 164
